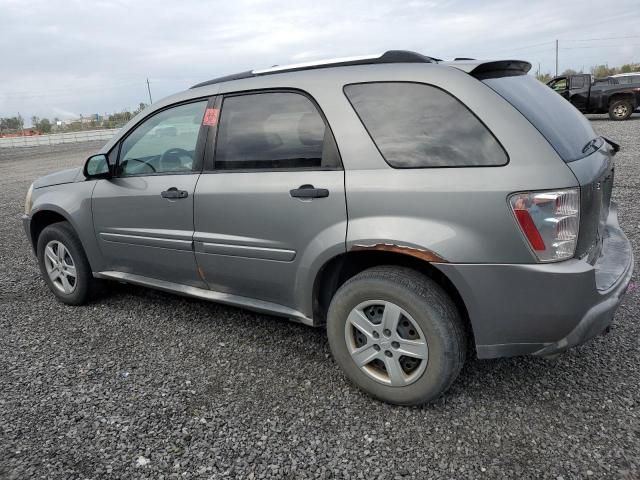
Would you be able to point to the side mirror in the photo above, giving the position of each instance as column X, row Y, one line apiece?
column 96, row 167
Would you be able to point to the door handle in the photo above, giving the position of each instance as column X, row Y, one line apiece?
column 309, row 191
column 174, row 193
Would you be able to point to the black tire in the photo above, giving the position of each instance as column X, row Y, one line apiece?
column 620, row 109
column 433, row 311
column 85, row 286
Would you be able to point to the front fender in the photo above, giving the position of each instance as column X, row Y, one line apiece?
column 73, row 202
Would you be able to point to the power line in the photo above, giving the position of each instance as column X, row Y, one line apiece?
column 601, row 46
column 597, row 39
column 57, row 93
column 524, row 47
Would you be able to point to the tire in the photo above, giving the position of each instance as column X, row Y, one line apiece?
column 422, row 303
column 83, row 287
column 620, row 109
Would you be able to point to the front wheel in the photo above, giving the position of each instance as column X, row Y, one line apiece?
column 620, row 109
column 64, row 265
column 397, row 335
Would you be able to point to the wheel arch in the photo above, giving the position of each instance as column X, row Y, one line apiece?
column 337, row 270
column 42, row 219
column 622, row 96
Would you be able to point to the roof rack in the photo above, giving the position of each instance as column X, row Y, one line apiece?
column 391, row 56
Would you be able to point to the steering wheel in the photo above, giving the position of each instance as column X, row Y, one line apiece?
column 170, row 159
column 153, row 169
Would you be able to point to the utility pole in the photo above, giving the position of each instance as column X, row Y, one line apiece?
column 21, row 126
column 149, row 89
column 556, row 58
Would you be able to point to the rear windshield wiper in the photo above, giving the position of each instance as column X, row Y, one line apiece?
column 614, row 145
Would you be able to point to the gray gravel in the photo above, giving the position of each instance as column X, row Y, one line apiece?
column 143, row 384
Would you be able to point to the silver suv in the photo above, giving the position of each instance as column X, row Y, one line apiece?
column 414, row 207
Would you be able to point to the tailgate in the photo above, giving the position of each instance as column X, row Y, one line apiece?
column 595, row 174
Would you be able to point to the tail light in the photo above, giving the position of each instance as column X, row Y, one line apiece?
column 549, row 220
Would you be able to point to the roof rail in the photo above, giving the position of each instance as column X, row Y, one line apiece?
column 391, row 56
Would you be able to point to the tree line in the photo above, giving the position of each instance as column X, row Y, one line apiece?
column 597, row 71
column 15, row 125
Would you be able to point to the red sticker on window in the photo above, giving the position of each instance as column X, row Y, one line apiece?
column 210, row 117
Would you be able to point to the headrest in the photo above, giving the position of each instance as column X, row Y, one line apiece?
column 311, row 129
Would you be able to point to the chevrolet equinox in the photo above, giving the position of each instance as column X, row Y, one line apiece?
column 413, row 207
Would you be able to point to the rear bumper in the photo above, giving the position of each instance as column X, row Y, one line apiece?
column 543, row 309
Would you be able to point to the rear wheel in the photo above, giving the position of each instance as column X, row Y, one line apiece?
column 397, row 335
column 620, row 109
column 64, row 265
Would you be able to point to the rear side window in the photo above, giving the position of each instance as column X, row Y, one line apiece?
column 565, row 128
column 416, row 126
column 578, row 82
column 627, row 79
column 273, row 130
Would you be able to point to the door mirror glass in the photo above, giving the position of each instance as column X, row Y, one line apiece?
column 97, row 166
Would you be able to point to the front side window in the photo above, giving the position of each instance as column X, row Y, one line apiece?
column 164, row 143
column 559, row 85
column 416, row 125
column 273, row 130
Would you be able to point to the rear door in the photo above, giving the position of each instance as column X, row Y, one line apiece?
column 271, row 201
column 579, row 87
column 143, row 217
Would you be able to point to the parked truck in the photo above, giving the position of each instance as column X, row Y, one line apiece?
column 608, row 95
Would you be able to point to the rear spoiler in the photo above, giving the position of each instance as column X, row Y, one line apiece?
column 492, row 69
column 502, row 68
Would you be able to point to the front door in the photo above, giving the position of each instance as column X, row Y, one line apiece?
column 143, row 217
column 272, row 204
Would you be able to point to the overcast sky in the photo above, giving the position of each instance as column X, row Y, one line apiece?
column 72, row 57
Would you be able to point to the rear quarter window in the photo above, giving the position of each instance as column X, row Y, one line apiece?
column 565, row 128
column 416, row 125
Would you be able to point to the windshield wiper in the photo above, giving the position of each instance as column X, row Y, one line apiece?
column 614, row 145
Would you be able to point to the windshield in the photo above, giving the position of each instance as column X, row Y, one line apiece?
column 564, row 127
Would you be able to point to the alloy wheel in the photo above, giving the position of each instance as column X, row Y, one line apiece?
column 386, row 343
column 60, row 267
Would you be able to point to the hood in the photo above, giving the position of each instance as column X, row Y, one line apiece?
column 63, row 176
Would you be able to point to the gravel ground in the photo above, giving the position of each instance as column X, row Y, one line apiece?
column 143, row 384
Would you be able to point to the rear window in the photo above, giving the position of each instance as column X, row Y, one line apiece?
column 419, row 126
column 627, row 79
column 565, row 128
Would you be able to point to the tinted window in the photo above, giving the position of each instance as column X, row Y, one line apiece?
column 416, row 125
column 578, row 82
column 164, row 143
column 564, row 127
column 629, row 79
column 272, row 130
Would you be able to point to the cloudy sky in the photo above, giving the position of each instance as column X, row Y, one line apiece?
column 65, row 58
